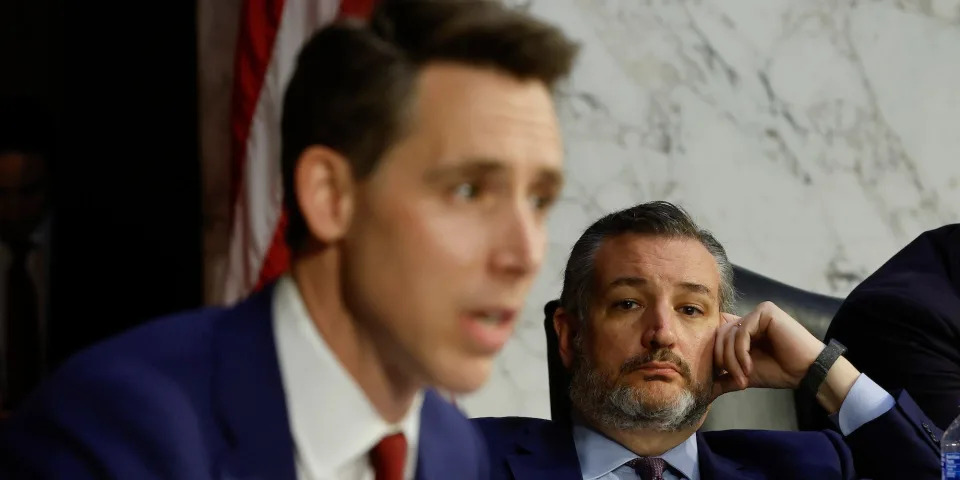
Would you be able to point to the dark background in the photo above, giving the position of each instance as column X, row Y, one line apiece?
column 120, row 83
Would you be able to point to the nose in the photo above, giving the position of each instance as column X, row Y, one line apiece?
column 519, row 243
column 659, row 327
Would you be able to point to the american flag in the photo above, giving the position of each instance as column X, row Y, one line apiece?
column 270, row 36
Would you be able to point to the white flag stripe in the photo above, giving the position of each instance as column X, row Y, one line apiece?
column 259, row 202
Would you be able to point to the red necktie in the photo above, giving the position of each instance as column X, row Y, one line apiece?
column 389, row 456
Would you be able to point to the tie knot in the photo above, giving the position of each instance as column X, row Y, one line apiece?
column 388, row 457
column 649, row 468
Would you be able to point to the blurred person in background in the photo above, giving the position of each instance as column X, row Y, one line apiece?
column 902, row 324
column 25, row 156
column 420, row 156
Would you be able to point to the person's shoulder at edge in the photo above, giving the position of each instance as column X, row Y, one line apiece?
column 169, row 345
column 138, row 386
column 915, row 296
column 930, row 261
column 922, row 279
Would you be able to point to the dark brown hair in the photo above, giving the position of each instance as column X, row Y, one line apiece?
column 657, row 218
column 353, row 81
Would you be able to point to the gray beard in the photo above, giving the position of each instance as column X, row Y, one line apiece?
column 624, row 407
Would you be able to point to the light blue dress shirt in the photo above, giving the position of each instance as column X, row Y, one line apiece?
column 603, row 459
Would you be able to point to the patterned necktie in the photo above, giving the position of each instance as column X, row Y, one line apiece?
column 23, row 329
column 389, row 456
column 649, row 468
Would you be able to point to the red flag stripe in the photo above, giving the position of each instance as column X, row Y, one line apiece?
column 258, row 253
column 357, row 8
column 277, row 259
column 259, row 22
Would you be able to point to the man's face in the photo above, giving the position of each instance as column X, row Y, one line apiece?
column 23, row 198
column 449, row 229
column 645, row 356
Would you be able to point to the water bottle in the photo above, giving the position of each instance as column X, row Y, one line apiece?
column 950, row 452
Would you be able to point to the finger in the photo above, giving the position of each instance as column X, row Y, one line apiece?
column 726, row 318
column 742, row 349
column 730, row 361
column 751, row 321
column 750, row 330
column 718, row 343
column 764, row 314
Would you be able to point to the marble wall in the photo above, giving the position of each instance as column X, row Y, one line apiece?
column 814, row 137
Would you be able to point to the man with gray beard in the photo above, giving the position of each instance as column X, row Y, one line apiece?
column 627, row 408
column 643, row 330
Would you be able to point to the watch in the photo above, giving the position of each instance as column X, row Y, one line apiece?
column 817, row 372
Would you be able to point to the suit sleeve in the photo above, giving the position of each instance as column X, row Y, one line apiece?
column 901, row 344
column 109, row 422
column 901, row 443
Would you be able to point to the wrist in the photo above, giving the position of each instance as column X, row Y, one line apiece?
column 817, row 369
column 837, row 384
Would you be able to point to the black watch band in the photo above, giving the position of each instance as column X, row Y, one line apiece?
column 817, row 372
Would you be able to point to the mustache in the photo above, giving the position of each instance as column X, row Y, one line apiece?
column 659, row 355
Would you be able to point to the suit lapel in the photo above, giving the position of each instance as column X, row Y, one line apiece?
column 545, row 451
column 248, row 393
column 435, row 447
column 715, row 467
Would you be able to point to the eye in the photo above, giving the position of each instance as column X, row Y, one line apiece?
column 466, row 191
column 542, row 202
column 626, row 305
column 690, row 310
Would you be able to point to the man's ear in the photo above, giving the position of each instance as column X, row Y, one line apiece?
column 325, row 191
column 566, row 327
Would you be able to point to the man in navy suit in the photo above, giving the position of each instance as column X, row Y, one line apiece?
column 420, row 156
column 641, row 328
column 902, row 324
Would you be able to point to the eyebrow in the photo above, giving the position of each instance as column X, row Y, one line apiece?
column 640, row 281
column 627, row 281
column 695, row 287
column 549, row 178
column 472, row 167
column 484, row 166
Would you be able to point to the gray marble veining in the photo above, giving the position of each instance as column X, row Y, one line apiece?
column 814, row 138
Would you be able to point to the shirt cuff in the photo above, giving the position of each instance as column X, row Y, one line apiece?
column 865, row 402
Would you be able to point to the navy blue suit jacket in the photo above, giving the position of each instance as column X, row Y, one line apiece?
column 902, row 324
column 193, row 396
column 892, row 446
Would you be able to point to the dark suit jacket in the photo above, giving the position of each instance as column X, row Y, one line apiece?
column 891, row 446
column 194, row 396
column 902, row 324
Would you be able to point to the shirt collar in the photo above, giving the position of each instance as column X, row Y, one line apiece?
column 332, row 421
column 599, row 455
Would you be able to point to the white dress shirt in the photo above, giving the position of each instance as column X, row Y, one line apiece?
column 333, row 424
